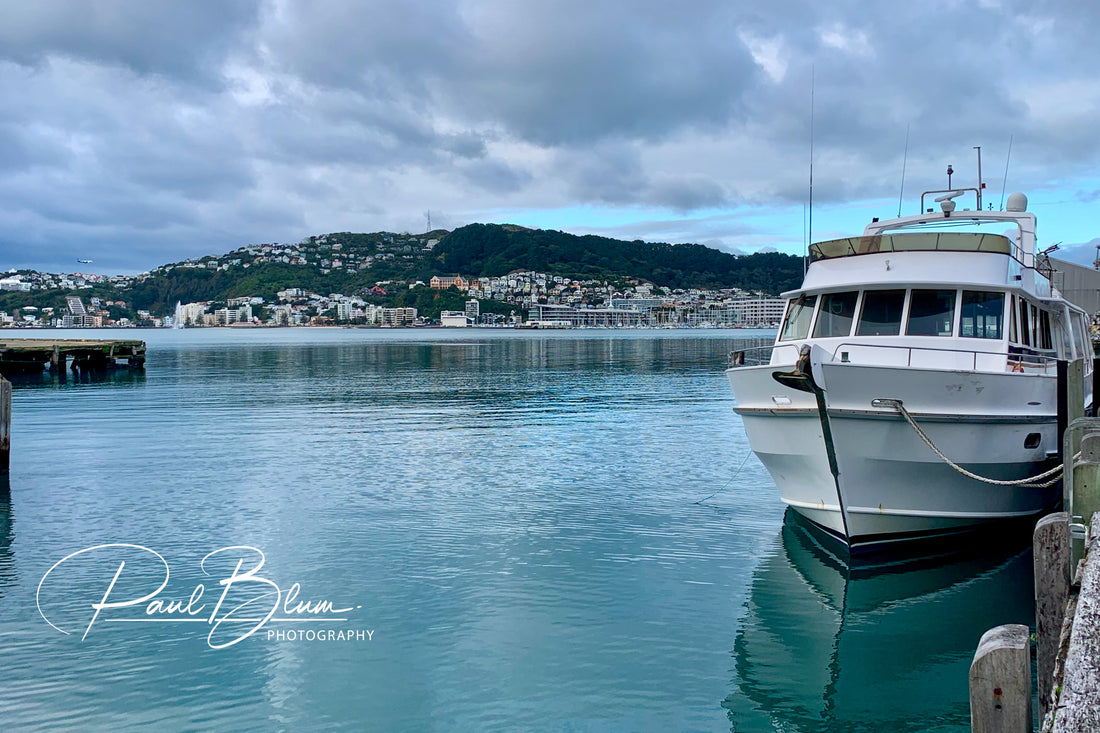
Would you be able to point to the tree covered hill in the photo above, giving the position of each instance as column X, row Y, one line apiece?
column 493, row 249
column 351, row 263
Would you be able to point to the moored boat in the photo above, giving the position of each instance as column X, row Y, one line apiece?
column 911, row 391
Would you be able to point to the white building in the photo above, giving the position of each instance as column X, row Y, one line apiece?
column 453, row 319
column 398, row 316
column 192, row 313
column 14, row 283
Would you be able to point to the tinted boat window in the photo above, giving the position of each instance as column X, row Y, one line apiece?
column 881, row 313
column 931, row 313
column 982, row 315
column 796, row 325
column 1045, row 341
column 837, row 312
column 1025, row 328
column 1013, row 332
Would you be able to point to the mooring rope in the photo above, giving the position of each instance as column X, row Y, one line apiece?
column 1031, row 482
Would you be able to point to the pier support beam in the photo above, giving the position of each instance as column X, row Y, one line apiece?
column 1051, row 559
column 1000, row 681
column 5, row 423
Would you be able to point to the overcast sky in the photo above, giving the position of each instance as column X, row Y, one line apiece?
column 140, row 132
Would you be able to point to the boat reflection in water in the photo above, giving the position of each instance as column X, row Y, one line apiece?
column 826, row 647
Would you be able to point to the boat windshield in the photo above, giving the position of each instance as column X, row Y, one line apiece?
column 881, row 313
column 912, row 242
column 796, row 325
column 838, row 310
column 931, row 313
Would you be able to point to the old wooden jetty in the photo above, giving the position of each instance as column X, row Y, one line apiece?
column 22, row 356
column 1067, row 615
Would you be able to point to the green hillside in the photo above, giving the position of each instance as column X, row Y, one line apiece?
column 493, row 249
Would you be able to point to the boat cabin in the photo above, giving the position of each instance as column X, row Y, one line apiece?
column 937, row 299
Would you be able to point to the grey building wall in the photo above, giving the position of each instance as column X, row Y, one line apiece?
column 1080, row 285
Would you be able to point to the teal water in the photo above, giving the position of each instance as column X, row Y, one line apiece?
column 511, row 515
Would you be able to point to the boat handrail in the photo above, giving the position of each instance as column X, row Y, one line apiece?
column 752, row 356
column 1020, row 361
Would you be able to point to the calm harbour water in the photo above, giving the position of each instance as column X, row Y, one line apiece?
column 513, row 517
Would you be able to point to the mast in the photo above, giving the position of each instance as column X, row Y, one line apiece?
column 980, row 184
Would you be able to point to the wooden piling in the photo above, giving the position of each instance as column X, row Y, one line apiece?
column 1075, row 393
column 1062, row 398
column 1000, row 681
column 1095, row 384
column 5, row 423
column 1086, row 479
column 1051, row 559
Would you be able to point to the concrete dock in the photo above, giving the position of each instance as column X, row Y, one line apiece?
column 23, row 356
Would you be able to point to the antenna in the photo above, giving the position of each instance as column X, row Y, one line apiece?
column 1005, row 181
column 904, row 160
column 980, row 184
column 428, row 215
column 810, row 227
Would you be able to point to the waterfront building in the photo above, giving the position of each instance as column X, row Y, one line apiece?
column 563, row 316
column 453, row 319
column 398, row 316
column 191, row 314
column 761, row 312
column 473, row 310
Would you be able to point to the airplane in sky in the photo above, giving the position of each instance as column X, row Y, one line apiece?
column 85, row 262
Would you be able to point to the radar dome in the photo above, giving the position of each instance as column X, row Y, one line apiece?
column 1016, row 202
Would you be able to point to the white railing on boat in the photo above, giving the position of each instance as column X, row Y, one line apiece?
column 752, row 356
column 940, row 358
column 898, row 355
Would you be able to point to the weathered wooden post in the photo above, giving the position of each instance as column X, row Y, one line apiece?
column 1075, row 392
column 1051, row 558
column 1078, row 705
column 1062, row 398
column 1000, row 681
column 1095, row 383
column 1086, row 479
column 5, row 423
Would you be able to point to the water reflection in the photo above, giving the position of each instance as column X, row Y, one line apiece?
column 62, row 378
column 823, row 647
column 7, row 534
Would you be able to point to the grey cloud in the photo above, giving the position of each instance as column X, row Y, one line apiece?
column 609, row 173
column 494, row 176
column 184, row 40
column 154, row 124
column 687, row 193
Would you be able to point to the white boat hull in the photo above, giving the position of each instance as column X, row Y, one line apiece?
column 889, row 485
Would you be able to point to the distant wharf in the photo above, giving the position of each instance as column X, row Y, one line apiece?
column 23, row 356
